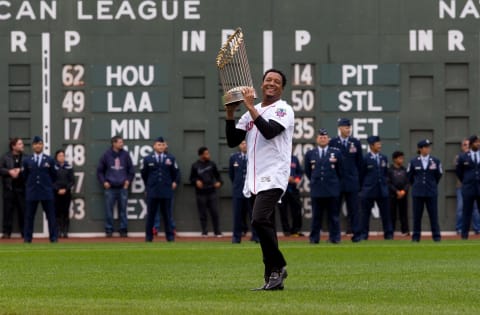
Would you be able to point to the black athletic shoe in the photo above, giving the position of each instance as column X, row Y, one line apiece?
column 275, row 282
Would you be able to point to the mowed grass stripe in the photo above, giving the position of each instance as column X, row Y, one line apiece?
column 374, row 277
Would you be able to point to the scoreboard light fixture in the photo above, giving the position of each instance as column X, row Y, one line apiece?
column 233, row 67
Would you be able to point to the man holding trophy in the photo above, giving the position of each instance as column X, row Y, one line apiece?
column 268, row 129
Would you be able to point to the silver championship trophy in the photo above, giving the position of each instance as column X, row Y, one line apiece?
column 233, row 67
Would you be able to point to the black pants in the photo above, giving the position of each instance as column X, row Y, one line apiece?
column 468, row 203
column 242, row 207
column 13, row 201
column 31, row 209
column 291, row 199
column 263, row 220
column 62, row 211
column 208, row 203
column 383, row 206
column 353, row 213
column 399, row 206
column 328, row 205
column 163, row 205
column 418, row 205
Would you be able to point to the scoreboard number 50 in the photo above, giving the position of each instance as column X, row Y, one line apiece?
column 303, row 100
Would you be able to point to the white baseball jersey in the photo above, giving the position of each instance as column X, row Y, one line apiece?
column 268, row 164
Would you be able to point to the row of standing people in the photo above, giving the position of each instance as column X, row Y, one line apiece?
column 38, row 178
column 338, row 170
column 161, row 175
column 336, row 166
column 34, row 179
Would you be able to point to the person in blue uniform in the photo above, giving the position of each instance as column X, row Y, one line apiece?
column 39, row 174
column 468, row 172
column 173, row 225
column 374, row 188
column 351, row 151
column 242, row 207
column 424, row 172
column 291, row 201
column 159, row 173
column 465, row 147
column 63, row 185
column 323, row 167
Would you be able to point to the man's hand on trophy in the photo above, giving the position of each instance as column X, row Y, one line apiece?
column 231, row 108
column 248, row 97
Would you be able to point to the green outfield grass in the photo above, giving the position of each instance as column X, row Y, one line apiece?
column 374, row 277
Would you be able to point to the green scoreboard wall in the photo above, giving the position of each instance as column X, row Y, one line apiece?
column 78, row 72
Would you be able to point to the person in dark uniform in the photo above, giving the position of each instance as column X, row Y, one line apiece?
column 351, row 150
column 205, row 177
column 39, row 173
column 242, row 207
column 465, row 147
column 398, row 185
column 115, row 172
column 13, row 187
column 468, row 172
column 374, row 188
column 291, row 200
column 63, row 192
column 323, row 167
column 159, row 173
column 424, row 173
column 173, row 225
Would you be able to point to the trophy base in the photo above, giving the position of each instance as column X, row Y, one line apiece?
column 234, row 96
